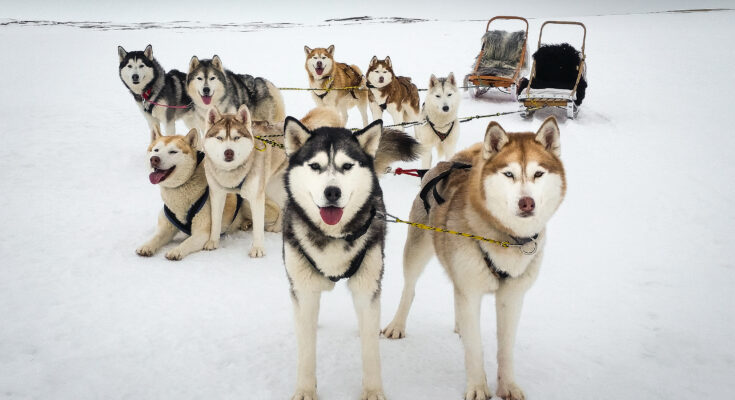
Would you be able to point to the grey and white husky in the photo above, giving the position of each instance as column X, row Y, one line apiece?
column 332, row 229
column 161, row 95
column 209, row 85
column 441, row 127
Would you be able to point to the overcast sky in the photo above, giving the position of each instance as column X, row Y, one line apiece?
column 306, row 11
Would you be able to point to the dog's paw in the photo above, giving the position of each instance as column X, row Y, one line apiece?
column 257, row 251
column 478, row 392
column 145, row 251
column 211, row 245
column 304, row 395
column 246, row 225
column 510, row 391
column 174, row 255
column 375, row 394
column 394, row 331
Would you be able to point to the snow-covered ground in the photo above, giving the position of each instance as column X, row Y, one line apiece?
column 635, row 298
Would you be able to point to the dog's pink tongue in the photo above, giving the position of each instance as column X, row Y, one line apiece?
column 207, row 99
column 319, row 70
column 330, row 215
column 157, row 176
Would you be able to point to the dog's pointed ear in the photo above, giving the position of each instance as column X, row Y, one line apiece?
column 295, row 135
column 330, row 50
column 192, row 138
column 217, row 63
column 451, row 79
column 495, row 139
column 121, row 52
column 213, row 116
column 433, row 81
column 148, row 52
column 307, row 50
column 369, row 137
column 155, row 133
column 373, row 60
column 193, row 63
column 387, row 61
column 243, row 115
column 548, row 136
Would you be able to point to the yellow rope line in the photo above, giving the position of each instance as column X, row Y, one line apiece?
column 505, row 244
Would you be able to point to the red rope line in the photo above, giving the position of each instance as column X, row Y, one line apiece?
column 147, row 94
column 412, row 172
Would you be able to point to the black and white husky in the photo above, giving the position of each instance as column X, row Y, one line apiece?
column 160, row 95
column 209, row 85
column 332, row 230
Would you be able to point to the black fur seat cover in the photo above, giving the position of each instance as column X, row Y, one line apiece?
column 556, row 67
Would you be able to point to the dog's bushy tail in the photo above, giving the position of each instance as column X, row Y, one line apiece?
column 395, row 146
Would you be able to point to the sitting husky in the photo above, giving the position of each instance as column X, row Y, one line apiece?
column 505, row 188
column 209, row 85
column 154, row 89
column 177, row 168
column 325, row 73
column 388, row 92
column 333, row 228
column 238, row 163
column 439, row 114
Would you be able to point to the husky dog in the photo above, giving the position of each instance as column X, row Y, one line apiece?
column 333, row 229
column 236, row 162
column 209, row 85
column 325, row 73
column 177, row 168
column 161, row 96
column 441, row 125
column 506, row 189
column 395, row 94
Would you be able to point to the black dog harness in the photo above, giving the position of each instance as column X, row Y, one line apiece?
column 196, row 207
column 356, row 262
column 431, row 185
column 382, row 106
column 442, row 136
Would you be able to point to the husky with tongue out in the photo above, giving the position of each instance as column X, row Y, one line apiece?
column 333, row 229
column 176, row 167
column 209, row 85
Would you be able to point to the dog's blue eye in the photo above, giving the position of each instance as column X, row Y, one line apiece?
column 315, row 166
column 172, row 152
column 538, row 174
column 347, row 167
column 508, row 174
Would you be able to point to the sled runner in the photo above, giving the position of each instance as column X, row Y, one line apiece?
column 502, row 60
column 558, row 76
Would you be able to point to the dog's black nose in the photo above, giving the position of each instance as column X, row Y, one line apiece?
column 526, row 204
column 332, row 193
column 205, row 91
column 445, row 108
column 155, row 161
column 135, row 77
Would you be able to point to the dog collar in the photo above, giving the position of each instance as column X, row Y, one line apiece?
column 326, row 87
column 442, row 136
column 499, row 273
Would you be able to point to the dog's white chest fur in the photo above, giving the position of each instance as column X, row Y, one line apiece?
column 334, row 258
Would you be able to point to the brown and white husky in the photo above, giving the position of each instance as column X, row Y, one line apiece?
column 395, row 94
column 326, row 74
column 505, row 188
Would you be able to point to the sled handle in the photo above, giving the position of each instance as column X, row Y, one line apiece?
column 507, row 17
column 584, row 28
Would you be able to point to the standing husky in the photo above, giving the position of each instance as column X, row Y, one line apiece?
column 395, row 94
column 325, row 73
column 505, row 188
column 236, row 162
column 209, row 85
column 177, row 168
column 332, row 229
column 161, row 96
column 439, row 113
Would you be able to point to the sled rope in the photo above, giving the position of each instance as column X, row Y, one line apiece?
column 506, row 244
column 147, row 94
column 270, row 142
column 461, row 119
column 364, row 88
